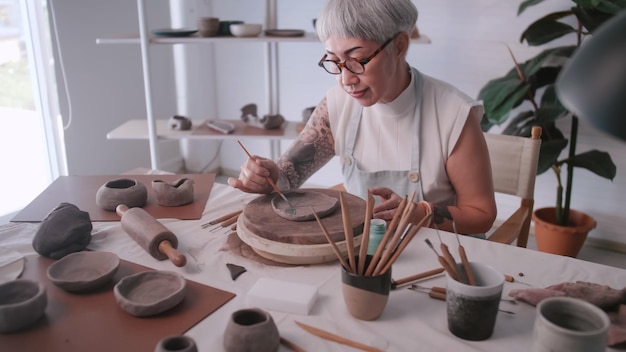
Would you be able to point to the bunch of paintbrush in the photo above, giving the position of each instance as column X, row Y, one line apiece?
column 397, row 236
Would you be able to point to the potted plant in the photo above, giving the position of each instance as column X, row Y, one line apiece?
column 532, row 83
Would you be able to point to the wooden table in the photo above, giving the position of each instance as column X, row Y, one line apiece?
column 411, row 321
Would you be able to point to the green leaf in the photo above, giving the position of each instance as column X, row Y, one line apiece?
column 526, row 4
column 518, row 126
column 600, row 163
column 549, row 154
column 533, row 65
column 591, row 19
column 545, row 31
column 500, row 96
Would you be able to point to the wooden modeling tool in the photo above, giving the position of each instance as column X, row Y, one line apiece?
column 445, row 251
column 383, row 242
column 347, row 229
column 406, row 280
column 336, row 338
column 466, row 265
column 443, row 261
column 150, row 234
column 291, row 210
column 331, row 242
column 365, row 237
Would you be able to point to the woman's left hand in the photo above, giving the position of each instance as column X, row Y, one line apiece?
column 388, row 205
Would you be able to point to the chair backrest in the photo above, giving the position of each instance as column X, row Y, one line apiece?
column 514, row 168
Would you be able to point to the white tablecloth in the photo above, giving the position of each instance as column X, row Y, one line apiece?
column 411, row 321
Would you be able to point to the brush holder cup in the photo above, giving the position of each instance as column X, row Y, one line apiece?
column 569, row 324
column 472, row 309
column 251, row 329
column 365, row 296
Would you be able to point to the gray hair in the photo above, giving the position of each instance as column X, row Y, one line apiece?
column 375, row 20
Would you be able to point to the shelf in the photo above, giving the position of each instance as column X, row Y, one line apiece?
column 138, row 129
column 194, row 39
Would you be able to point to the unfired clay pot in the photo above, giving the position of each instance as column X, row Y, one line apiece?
column 249, row 330
column 22, row 303
column 176, row 344
column 173, row 194
column 121, row 191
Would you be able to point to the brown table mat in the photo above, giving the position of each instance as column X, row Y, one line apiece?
column 94, row 322
column 81, row 191
column 241, row 129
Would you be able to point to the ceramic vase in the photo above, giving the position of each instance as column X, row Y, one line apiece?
column 176, row 344
column 561, row 240
column 365, row 296
column 121, row 191
column 251, row 329
column 173, row 194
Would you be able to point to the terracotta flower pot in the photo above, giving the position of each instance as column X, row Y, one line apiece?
column 562, row 240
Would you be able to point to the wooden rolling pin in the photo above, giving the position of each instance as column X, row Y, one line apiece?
column 150, row 234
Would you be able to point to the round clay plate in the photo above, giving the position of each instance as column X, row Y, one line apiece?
column 11, row 264
column 304, row 203
column 150, row 292
column 83, row 271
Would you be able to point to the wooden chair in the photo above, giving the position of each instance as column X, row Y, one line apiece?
column 514, row 169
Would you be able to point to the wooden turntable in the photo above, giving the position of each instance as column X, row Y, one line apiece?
column 297, row 242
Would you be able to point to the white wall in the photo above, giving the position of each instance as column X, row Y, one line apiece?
column 468, row 49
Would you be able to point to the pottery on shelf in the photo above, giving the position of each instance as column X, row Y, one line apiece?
column 22, row 303
column 251, row 329
column 83, row 271
column 180, row 123
column 121, row 191
column 173, row 194
column 180, row 343
column 150, row 292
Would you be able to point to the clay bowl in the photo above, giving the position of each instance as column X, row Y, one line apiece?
column 246, row 29
column 22, row 303
column 150, row 292
column 83, row 271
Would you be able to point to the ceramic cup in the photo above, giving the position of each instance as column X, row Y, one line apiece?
column 365, row 296
column 569, row 324
column 251, row 329
column 176, row 344
column 208, row 26
column 472, row 309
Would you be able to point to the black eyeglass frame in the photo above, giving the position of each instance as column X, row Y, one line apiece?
column 362, row 62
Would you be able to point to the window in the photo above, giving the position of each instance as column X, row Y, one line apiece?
column 31, row 151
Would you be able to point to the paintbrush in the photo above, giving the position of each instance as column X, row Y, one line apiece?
column 271, row 182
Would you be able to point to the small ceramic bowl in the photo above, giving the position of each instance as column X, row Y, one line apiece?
column 150, row 292
column 246, row 29
column 22, row 303
column 83, row 271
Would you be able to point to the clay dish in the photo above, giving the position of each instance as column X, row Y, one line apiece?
column 22, row 303
column 150, row 292
column 302, row 202
column 83, row 271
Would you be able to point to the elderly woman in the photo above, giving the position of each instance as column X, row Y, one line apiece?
column 397, row 131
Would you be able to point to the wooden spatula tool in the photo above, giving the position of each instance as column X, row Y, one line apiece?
column 150, row 234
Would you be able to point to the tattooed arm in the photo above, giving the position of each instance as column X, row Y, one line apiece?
column 311, row 150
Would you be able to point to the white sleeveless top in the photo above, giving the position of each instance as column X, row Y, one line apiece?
column 385, row 132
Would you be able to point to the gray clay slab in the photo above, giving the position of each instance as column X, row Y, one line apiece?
column 304, row 202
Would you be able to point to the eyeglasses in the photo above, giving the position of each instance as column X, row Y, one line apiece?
column 355, row 66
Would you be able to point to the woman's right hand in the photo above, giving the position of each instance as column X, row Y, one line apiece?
column 253, row 175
